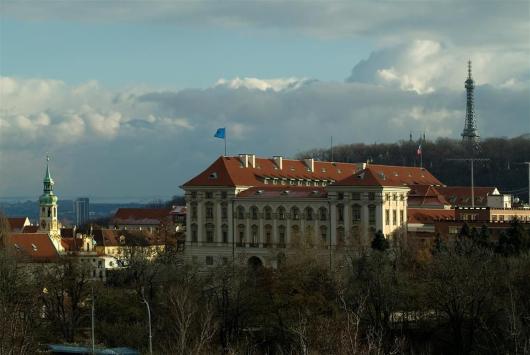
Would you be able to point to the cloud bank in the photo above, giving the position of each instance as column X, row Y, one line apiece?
column 108, row 142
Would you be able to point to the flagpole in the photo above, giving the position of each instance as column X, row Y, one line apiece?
column 225, row 142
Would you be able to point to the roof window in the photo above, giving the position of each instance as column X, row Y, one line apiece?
column 213, row 175
column 34, row 247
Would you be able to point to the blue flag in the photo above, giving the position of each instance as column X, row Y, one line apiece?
column 220, row 133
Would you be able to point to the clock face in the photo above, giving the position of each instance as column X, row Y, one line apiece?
column 43, row 224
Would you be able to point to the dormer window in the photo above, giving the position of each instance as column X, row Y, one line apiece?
column 212, row 176
column 34, row 247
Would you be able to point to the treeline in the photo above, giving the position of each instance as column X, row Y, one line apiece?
column 471, row 296
column 503, row 169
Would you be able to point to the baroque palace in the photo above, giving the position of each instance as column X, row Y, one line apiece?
column 259, row 210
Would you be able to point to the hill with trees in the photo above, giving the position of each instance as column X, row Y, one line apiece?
column 503, row 169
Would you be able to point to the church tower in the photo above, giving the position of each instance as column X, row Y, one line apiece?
column 48, row 222
column 470, row 135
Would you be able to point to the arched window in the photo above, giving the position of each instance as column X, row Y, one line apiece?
column 268, row 235
column 209, row 210
column 224, row 210
column 194, row 233
column 371, row 215
column 194, row 210
column 340, row 213
column 224, row 231
column 309, row 213
column 281, row 213
column 323, row 213
column 356, row 213
column 241, row 235
column 281, row 236
column 254, row 212
column 268, row 213
column 295, row 213
column 240, row 212
column 254, row 235
column 209, row 232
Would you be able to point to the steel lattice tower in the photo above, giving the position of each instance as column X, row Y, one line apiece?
column 470, row 135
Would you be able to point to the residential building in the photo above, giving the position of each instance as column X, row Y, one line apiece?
column 81, row 210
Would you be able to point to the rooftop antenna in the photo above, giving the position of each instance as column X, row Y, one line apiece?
column 527, row 163
column 472, row 162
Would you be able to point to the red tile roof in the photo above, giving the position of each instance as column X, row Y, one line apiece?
column 228, row 171
column 461, row 195
column 426, row 196
column 386, row 175
column 140, row 215
column 111, row 237
column 425, row 215
column 30, row 229
column 284, row 191
column 17, row 223
column 37, row 246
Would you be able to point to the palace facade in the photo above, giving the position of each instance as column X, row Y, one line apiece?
column 259, row 210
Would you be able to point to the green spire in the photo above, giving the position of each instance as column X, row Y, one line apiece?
column 48, row 182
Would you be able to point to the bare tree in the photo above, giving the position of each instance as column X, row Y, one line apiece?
column 66, row 288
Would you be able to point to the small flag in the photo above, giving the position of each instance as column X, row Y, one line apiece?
column 419, row 150
column 220, row 133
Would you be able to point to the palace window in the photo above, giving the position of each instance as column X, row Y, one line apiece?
column 371, row 196
column 340, row 213
column 323, row 213
column 240, row 212
column 309, row 213
column 224, row 211
column 254, row 212
column 387, row 217
column 281, row 213
column 356, row 213
column 371, row 215
column 355, row 196
column 394, row 217
column 209, row 260
column 209, row 210
column 268, row 213
column 295, row 213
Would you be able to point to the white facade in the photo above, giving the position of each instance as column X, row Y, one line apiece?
column 225, row 226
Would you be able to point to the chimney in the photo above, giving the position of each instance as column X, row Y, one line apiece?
column 310, row 163
column 278, row 160
column 244, row 160
column 252, row 160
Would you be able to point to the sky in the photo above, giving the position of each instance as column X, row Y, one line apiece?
column 125, row 96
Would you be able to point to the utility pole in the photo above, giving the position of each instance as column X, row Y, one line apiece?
column 144, row 300
column 93, row 323
column 527, row 163
column 472, row 161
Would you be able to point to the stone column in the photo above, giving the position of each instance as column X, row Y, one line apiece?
column 188, row 222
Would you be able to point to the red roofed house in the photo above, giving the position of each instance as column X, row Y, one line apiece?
column 17, row 224
column 149, row 219
column 258, row 209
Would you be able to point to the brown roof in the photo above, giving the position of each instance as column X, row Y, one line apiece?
column 228, row 171
column 425, row 215
column 285, row 191
column 461, row 195
column 111, row 237
column 17, row 223
column 30, row 229
column 383, row 175
column 140, row 215
column 426, row 196
column 37, row 246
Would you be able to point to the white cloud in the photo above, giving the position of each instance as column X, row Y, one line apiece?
column 278, row 84
column 424, row 66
